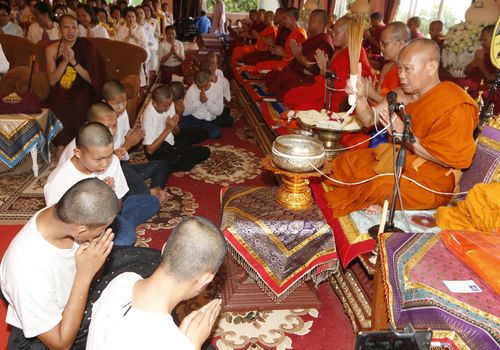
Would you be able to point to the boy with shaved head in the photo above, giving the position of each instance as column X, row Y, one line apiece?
column 204, row 106
column 93, row 157
column 131, row 305
column 164, row 140
column 47, row 270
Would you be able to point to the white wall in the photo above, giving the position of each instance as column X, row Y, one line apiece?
column 269, row 5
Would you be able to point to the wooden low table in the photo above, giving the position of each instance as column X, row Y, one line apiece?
column 241, row 293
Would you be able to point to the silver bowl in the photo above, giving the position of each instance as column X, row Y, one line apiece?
column 297, row 153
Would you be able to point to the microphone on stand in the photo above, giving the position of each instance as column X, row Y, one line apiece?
column 392, row 98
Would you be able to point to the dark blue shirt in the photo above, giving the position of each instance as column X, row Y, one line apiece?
column 203, row 25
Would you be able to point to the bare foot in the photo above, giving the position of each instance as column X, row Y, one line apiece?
column 373, row 209
column 160, row 194
column 57, row 155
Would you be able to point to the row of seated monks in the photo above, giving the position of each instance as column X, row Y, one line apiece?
column 444, row 116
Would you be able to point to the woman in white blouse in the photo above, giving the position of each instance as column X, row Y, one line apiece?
column 88, row 24
column 134, row 34
column 151, row 63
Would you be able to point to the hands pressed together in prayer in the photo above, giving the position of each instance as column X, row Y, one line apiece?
column 203, row 97
column 278, row 50
column 197, row 326
column 110, row 182
column 321, row 60
column 68, row 55
column 91, row 255
column 172, row 122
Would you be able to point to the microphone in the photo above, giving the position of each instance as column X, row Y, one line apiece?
column 391, row 97
column 330, row 75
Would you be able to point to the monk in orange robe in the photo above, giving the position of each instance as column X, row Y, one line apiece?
column 393, row 38
column 443, row 120
column 265, row 38
column 297, row 34
column 313, row 96
column 303, row 68
column 259, row 56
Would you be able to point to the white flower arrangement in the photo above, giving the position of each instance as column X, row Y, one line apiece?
column 462, row 41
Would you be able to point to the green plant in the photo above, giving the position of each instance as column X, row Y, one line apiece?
column 235, row 5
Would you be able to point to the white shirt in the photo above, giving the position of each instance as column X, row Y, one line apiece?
column 36, row 279
column 122, row 129
column 35, row 32
column 98, row 31
column 116, row 324
column 224, row 83
column 66, row 175
column 153, row 124
column 140, row 36
column 165, row 47
column 4, row 64
column 209, row 110
column 12, row 29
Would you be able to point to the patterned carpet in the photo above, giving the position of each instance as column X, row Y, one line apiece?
column 235, row 159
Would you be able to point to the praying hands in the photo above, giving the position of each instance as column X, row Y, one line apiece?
column 321, row 60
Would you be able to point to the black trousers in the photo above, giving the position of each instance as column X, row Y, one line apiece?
column 182, row 156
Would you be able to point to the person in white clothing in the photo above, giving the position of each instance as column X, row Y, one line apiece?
column 130, row 305
column 93, row 157
column 134, row 34
column 44, row 28
column 89, row 26
column 204, row 106
column 48, row 268
column 152, row 61
column 218, row 18
column 6, row 26
column 164, row 141
column 170, row 55
column 214, row 59
column 4, row 64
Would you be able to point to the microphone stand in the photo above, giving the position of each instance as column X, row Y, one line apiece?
column 329, row 80
column 407, row 137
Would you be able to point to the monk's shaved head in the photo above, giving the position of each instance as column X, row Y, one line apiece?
column 340, row 32
column 177, row 90
column 206, row 64
column 398, row 31
column 427, row 49
column 93, row 134
column 196, row 246
column 98, row 109
column 293, row 12
column 112, row 88
column 213, row 56
column 89, row 202
column 161, row 94
column 322, row 15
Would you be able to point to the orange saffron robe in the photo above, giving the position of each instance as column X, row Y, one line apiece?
column 304, row 98
column 443, row 119
column 390, row 81
column 299, row 35
column 241, row 51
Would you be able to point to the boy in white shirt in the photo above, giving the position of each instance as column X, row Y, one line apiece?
column 213, row 58
column 44, row 28
column 204, row 106
column 164, row 141
column 125, row 138
column 170, row 55
column 48, row 268
column 130, row 305
column 93, row 157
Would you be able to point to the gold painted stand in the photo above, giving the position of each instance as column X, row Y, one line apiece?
column 294, row 192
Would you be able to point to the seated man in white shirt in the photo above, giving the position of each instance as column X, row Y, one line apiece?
column 6, row 26
column 170, row 55
column 163, row 140
column 93, row 157
column 204, row 106
column 131, row 306
column 214, row 59
column 4, row 64
column 48, row 268
column 44, row 28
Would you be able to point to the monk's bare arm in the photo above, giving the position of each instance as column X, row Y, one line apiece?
column 54, row 72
